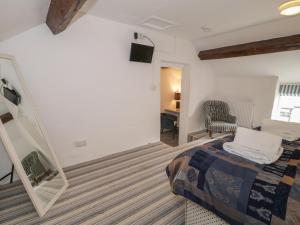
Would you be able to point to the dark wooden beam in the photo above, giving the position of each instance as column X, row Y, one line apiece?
column 61, row 13
column 281, row 44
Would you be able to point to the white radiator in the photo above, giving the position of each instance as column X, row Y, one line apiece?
column 244, row 111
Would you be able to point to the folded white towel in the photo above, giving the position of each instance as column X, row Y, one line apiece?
column 259, row 140
column 258, row 146
column 252, row 154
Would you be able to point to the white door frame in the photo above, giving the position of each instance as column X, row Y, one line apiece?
column 185, row 97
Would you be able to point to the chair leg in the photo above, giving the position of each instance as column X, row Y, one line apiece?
column 210, row 133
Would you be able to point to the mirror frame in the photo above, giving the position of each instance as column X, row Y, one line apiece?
column 12, row 152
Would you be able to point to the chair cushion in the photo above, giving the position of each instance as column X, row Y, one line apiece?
column 220, row 126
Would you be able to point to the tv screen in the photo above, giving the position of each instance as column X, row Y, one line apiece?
column 12, row 95
column 141, row 53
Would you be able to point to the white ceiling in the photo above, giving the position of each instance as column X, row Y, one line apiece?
column 229, row 21
column 225, row 18
column 17, row 16
column 273, row 29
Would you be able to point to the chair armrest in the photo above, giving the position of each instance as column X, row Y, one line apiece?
column 231, row 119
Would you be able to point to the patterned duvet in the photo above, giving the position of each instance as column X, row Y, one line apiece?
column 238, row 190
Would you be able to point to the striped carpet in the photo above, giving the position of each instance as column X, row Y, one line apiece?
column 125, row 188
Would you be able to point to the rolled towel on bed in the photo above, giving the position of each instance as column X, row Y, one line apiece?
column 258, row 146
column 251, row 154
column 260, row 140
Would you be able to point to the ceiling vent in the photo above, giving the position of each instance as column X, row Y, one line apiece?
column 158, row 23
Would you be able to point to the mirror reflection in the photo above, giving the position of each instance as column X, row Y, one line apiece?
column 25, row 140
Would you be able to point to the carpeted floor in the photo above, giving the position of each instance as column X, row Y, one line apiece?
column 126, row 188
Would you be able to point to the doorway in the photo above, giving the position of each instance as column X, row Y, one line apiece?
column 170, row 104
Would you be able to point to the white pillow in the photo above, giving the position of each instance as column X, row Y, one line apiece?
column 287, row 130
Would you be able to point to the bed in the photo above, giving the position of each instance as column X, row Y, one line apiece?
column 221, row 188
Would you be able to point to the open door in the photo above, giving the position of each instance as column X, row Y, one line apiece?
column 170, row 105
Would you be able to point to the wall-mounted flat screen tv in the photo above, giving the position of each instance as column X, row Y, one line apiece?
column 12, row 95
column 141, row 53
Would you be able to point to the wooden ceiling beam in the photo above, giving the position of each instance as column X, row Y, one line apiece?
column 61, row 13
column 281, row 44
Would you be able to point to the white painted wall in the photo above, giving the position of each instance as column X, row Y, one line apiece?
column 84, row 86
column 259, row 90
column 170, row 82
column 254, row 78
column 284, row 65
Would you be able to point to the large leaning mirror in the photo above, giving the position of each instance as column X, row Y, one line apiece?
column 25, row 141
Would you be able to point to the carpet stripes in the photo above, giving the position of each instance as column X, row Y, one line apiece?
column 125, row 188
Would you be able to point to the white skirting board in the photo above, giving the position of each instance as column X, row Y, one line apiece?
column 197, row 215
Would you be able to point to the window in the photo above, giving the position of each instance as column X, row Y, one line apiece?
column 288, row 108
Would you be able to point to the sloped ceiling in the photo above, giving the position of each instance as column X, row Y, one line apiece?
column 190, row 15
column 229, row 21
column 277, row 28
column 17, row 16
column 207, row 23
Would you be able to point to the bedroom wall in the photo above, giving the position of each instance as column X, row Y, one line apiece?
column 284, row 65
column 260, row 72
column 84, row 87
column 260, row 90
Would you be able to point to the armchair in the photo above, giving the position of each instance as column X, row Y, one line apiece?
column 34, row 168
column 217, row 117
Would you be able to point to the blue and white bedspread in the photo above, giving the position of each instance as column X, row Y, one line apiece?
column 238, row 190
